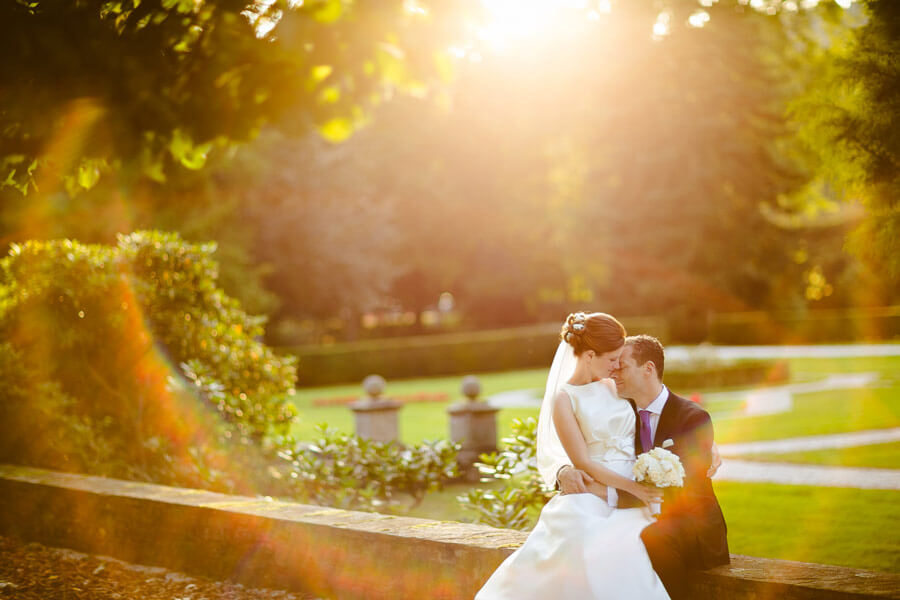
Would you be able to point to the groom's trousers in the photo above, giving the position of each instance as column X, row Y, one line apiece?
column 668, row 555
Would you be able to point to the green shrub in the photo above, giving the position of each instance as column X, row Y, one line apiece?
column 516, row 505
column 351, row 472
column 129, row 361
column 50, row 430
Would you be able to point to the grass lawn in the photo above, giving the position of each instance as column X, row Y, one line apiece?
column 884, row 456
column 835, row 411
column 806, row 369
column 854, row 528
column 418, row 421
column 443, row 506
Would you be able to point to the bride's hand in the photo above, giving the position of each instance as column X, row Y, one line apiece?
column 598, row 489
column 647, row 494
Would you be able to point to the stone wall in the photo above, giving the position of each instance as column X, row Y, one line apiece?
column 329, row 552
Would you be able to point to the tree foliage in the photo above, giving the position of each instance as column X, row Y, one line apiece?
column 849, row 119
column 331, row 242
column 136, row 87
column 638, row 182
column 649, row 174
column 650, row 183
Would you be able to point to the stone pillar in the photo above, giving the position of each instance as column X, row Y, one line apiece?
column 376, row 417
column 473, row 424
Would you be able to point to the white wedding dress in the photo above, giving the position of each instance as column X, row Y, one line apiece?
column 580, row 547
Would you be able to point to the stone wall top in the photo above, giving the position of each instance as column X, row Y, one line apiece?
column 330, row 552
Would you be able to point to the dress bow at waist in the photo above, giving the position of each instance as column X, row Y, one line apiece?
column 613, row 448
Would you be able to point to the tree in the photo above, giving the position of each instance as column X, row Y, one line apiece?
column 329, row 241
column 648, row 183
column 849, row 121
column 688, row 163
column 639, row 182
column 136, row 87
column 644, row 172
column 122, row 115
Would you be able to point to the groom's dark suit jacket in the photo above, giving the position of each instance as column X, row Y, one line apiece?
column 690, row 531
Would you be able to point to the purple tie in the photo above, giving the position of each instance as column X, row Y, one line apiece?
column 646, row 438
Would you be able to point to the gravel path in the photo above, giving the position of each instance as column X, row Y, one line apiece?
column 793, row 474
column 517, row 399
column 816, row 351
column 813, row 442
column 35, row 572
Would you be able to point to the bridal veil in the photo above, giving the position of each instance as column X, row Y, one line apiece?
column 551, row 455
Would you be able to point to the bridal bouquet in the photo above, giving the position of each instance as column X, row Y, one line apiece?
column 659, row 467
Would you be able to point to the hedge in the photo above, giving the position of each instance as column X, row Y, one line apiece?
column 129, row 361
column 745, row 373
column 811, row 327
column 447, row 354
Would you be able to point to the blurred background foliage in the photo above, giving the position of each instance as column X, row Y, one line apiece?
column 679, row 158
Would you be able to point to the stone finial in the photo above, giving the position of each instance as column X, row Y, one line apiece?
column 473, row 425
column 374, row 385
column 376, row 417
column 471, row 387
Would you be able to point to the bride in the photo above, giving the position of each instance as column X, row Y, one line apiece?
column 581, row 547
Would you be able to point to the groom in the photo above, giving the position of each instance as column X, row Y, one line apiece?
column 690, row 531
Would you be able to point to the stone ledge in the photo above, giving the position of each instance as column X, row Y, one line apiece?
column 329, row 552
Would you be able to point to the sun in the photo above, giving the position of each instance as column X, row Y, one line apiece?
column 511, row 21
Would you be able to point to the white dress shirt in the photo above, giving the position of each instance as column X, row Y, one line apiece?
column 655, row 408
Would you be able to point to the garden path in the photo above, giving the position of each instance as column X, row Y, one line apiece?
column 813, row 442
column 811, row 351
column 778, row 399
column 794, row 474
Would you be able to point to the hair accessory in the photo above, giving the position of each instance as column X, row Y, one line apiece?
column 578, row 326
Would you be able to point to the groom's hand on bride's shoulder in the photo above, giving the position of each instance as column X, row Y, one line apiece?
column 716, row 461
column 573, row 481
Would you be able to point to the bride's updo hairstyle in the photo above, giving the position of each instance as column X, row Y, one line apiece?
column 599, row 332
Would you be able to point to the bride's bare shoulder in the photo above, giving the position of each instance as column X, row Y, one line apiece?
column 562, row 395
column 611, row 385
